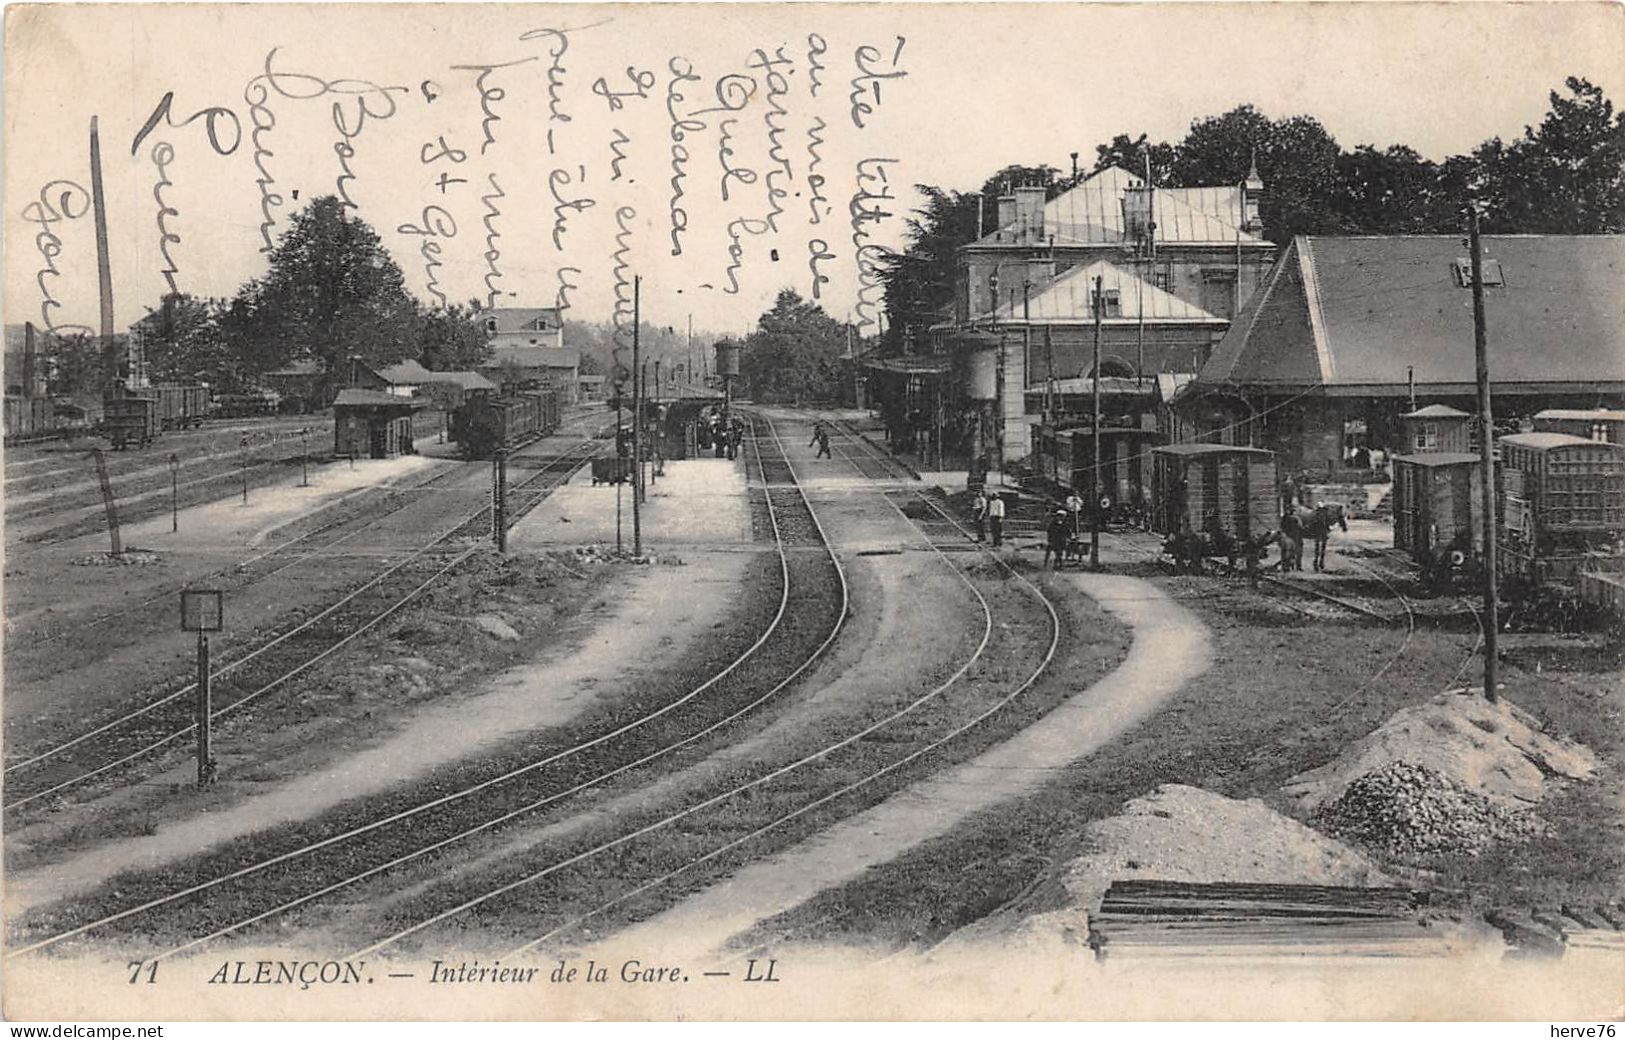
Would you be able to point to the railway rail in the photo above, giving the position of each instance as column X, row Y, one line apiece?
column 166, row 721
column 392, row 834
column 880, row 751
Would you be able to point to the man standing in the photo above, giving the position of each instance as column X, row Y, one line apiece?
column 995, row 519
column 978, row 515
column 1074, row 510
column 1056, row 535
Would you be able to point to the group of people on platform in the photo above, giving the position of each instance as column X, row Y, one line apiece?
column 723, row 434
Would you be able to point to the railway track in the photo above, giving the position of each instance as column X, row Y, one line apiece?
column 166, row 721
column 301, row 865
column 668, row 847
column 291, row 552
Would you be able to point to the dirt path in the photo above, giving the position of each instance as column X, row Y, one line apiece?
column 1171, row 646
column 679, row 602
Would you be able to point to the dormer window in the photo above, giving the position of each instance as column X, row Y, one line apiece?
column 491, row 325
column 1111, row 303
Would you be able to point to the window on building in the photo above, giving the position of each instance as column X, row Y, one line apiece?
column 1162, row 276
column 1599, row 432
column 1111, row 303
column 490, row 325
column 1427, row 437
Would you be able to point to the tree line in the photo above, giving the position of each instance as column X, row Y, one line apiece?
column 331, row 291
column 1565, row 176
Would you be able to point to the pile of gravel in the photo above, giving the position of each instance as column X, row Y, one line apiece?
column 129, row 558
column 1409, row 810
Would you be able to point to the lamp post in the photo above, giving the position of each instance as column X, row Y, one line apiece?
column 304, row 457
column 174, row 492
column 243, row 444
column 202, row 612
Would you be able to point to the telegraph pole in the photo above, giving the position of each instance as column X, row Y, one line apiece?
column 499, row 499
column 1094, row 528
column 637, row 422
column 1486, row 448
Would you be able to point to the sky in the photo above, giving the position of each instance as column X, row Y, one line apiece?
column 550, row 176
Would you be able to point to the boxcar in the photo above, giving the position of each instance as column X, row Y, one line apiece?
column 1561, row 500
column 485, row 423
column 181, row 405
column 1065, row 458
column 29, row 419
column 1207, row 488
column 130, row 416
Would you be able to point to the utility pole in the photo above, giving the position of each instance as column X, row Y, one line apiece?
column 205, row 711
column 654, row 469
column 1094, row 528
column 637, row 422
column 499, row 499
column 1486, row 448
column 1026, row 340
column 174, row 493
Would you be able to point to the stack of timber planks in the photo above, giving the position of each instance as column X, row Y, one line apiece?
column 1175, row 918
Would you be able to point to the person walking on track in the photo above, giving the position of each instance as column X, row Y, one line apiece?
column 821, row 438
column 995, row 519
column 978, row 515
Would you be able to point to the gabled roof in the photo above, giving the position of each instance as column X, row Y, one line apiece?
column 1091, row 213
column 1583, row 414
column 466, row 380
column 1545, row 441
column 522, row 319
column 533, row 357
column 353, row 397
column 405, row 373
column 1361, row 312
column 1440, row 458
column 1068, row 299
column 1436, row 411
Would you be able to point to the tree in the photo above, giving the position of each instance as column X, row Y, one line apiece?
column 1390, row 192
column 920, row 280
column 332, row 291
column 794, row 354
column 183, row 342
column 1566, row 176
column 1130, row 153
column 451, row 339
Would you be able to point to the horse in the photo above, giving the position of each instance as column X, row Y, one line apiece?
column 1317, row 524
column 1188, row 549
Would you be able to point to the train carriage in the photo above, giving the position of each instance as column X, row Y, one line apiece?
column 1214, row 488
column 485, row 423
column 1561, row 501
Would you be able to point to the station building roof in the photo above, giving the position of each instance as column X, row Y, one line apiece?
column 1355, row 315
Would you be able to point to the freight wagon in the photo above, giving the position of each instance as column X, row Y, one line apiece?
column 1561, row 500
column 138, row 416
column 1065, row 458
column 1438, row 511
column 30, row 419
column 1214, row 488
column 484, row 423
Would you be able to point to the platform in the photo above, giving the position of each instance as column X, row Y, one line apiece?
column 698, row 502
